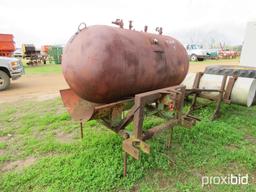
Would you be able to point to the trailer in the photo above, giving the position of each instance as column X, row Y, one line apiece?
column 31, row 55
column 7, row 45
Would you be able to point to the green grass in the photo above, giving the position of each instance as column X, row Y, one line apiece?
column 210, row 148
column 218, row 61
column 43, row 69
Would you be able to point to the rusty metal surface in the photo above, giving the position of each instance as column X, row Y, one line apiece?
column 78, row 108
column 103, row 64
column 152, row 131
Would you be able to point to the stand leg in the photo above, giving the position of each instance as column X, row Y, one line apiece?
column 169, row 139
column 193, row 105
column 216, row 113
column 138, row 118
column 125, row 164
column 195, row 85
column 81, row 130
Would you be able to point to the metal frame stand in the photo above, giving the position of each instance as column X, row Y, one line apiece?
column 223, row 95
column 112, row 116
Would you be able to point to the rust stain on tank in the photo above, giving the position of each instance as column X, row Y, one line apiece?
column 104, row 64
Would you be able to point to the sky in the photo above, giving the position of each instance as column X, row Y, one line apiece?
column 43, row 22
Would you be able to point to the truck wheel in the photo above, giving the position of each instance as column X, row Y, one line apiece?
column 240, row 71
column 4, row 81
column 193, row 57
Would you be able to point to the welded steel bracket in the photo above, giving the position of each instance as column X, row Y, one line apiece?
column 133, row 146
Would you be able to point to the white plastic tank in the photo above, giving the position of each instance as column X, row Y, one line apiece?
column 248, row 55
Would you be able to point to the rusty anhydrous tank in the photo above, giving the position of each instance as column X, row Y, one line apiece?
column 104, row 64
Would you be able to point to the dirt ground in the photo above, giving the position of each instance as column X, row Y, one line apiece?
column 36, row 87
column 46, row 86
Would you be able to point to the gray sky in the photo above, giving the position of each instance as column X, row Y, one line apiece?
column 53, row 22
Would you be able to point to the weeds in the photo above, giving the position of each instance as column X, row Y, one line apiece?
column 95, row 163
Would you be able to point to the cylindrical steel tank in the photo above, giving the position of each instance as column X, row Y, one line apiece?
column 104, row 64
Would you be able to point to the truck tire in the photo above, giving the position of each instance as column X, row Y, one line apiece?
column 4, row 81
column 193, row 57
column 240, row 71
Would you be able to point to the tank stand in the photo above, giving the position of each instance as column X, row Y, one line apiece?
column 118, row 115
column 171, row 98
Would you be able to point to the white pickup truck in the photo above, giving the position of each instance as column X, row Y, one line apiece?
column 196, row 52
column 10, row 68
